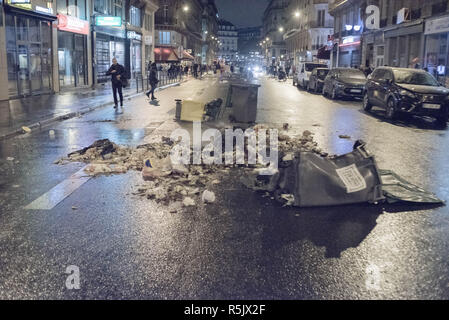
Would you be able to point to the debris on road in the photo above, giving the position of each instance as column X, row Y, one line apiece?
column 188, row 202
column 74, row 208
column 343, row 136
column 10, row 159
column 208, row 196
column 25, row 129
column 307, row 179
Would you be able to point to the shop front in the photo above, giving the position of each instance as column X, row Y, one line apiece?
column 436, row 56
column 404, row 45
column 109, row 43
column 350, row 52
column 29, row 50
column 72, row 51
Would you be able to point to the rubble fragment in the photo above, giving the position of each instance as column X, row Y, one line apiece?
column 208, row 196
column 188, row 202
column 343, row 136
column 26, row 129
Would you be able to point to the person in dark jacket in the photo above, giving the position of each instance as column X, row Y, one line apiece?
column 117, row 72
column 153, row 81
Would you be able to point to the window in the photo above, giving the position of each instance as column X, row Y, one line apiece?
column 109, row 7
column 164, row 37
column 134, row 16
column 74, row 8
column 321, row 17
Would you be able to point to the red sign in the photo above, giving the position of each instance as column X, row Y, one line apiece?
column 72, row 24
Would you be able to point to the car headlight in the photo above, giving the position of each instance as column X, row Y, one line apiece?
column 406, row 93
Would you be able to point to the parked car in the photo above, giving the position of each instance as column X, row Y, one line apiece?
column 402, row 90
column 316, row 80
column 344, row 82
column 303, row 73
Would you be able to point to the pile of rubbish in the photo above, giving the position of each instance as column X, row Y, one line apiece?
column 306, row 176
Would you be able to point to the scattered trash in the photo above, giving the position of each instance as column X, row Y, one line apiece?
column 74, row 208
column 25, row 129
column 51, row 133
column 285, row 126
column 188, row 202
column 343, row 136
column 208, row 196
column 10, row 159
column 307, row 179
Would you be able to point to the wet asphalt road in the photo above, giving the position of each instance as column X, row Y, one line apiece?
column 242, row 247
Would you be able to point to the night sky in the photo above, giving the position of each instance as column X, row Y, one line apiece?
column 242, row 13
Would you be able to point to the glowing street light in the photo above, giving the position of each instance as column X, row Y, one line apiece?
column 268, row 39
column 297, row 14
column 185, row 8
column 281, row 29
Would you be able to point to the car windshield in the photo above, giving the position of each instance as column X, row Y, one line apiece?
column 352, row 73
column 414, row 77
column 322, row 73
column 311, row 66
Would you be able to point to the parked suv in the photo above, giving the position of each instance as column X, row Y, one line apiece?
column 303, row 73
column 344, row 82
column 316, row 79
column 412, row 91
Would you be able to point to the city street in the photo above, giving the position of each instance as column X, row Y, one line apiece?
column 243, row 246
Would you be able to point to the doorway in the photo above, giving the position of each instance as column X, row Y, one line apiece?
column 28, row 49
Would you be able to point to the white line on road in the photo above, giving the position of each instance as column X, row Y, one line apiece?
column 53, row 197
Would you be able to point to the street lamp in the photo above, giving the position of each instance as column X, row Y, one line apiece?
column 281, row 29
column 297, row 14
column 185, row 8
column 268, row 39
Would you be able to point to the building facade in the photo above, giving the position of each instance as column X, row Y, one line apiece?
column 308, row 28
column 52, row 46
column 274, row 24
column 209, row 31
column 408, row 33
column 183, row 32
column 228, row 41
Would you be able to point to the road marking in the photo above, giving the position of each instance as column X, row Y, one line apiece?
column 53, row 197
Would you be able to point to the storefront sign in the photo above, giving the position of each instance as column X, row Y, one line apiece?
column 20, row 1
column 372, row 21
column 108, row 21
column 72, row 24
column 44, row 10
column 148, row 40
column 350, row 41
column 403, row 15
column 134, row 35
column 437, row 25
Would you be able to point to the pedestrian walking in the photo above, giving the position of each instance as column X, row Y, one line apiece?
column 153, row 81
column 118, row 74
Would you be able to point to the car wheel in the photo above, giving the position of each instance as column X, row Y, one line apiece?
column 391, row 113
column 366, row 104
column 442, row 121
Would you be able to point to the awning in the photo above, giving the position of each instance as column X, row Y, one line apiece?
column 29, row 12
column 187, row 56
column 323, row 53
column 165, row 55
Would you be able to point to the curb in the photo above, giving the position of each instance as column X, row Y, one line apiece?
column 69, row 115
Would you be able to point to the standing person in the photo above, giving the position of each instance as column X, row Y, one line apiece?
column 117, row 72
column 153, row 81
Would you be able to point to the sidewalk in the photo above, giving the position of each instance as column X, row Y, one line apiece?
column 36, row 111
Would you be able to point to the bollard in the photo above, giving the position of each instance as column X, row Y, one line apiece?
column 178, row 109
